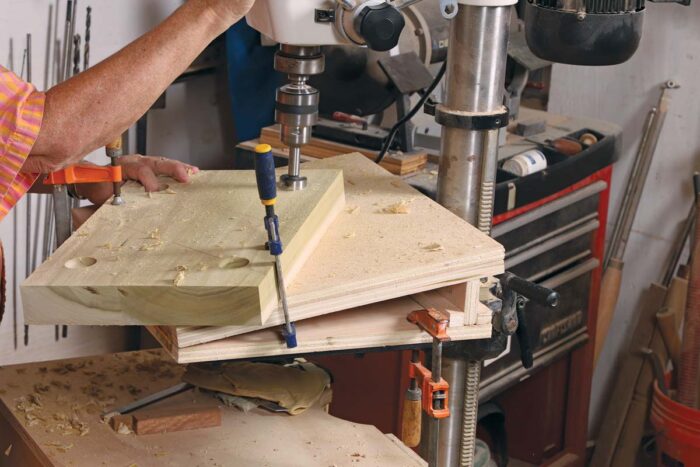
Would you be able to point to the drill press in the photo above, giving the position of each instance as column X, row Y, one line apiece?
column 472, row 115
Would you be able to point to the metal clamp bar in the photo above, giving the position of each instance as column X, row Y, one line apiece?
column 472, row 120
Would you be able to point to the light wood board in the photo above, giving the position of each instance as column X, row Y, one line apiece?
column 369, row 255
column 84, row 387
column 395, row 162
column 371, row 326
column 189, row 255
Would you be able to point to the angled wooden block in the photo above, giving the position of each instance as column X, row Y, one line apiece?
column 188, row 255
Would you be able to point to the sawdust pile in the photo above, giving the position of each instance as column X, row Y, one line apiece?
column 402, row 207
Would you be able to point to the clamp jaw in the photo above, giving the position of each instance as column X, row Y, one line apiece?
column 432, row 386
column 428, row 391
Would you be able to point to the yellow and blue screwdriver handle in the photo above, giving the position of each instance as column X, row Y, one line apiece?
column 267, row 189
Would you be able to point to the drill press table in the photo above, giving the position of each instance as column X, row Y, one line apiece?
column 391, row 251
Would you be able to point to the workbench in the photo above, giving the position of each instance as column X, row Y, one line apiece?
column 50, row 416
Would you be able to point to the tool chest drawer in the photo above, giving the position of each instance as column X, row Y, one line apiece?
column 551, row 245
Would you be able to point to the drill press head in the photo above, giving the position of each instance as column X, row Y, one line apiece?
column 309, row 24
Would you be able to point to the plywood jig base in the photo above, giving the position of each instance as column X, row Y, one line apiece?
column 64, row 428
column 187, row 255
column 378, row 325
column 390, row 241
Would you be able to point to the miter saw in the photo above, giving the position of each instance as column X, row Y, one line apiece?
column 584, row 32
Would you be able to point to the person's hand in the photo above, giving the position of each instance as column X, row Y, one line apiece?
column 226, row 11
column 143, row 169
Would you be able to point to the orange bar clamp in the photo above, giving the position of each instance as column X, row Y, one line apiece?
column 85, row 173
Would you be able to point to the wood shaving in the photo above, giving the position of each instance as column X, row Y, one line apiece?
column 169, row 191
column 41, row 388
column 179, row 278
column 122, row 429
column 154, row 234
column 81, row 427
column 149, row 194
column 35, row 399
column 352, row 209
column 350, row 235
column 151, row 246
column 8, row 450
column 434, row 247
column 60, row 446
column 433, row 172
column 84, row 233
column 181, row 268
column 397, row 208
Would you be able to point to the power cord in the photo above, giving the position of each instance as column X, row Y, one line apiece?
column 419, row 105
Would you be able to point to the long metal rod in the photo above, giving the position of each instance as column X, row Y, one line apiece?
column 15, row 220
column 86, row 49
column 475, row 83
column 633, row 193
column 56, row 45
column 69, row 39
column 434, row 428
column 28, row 232
column 626, row 204
column 47, row 58
column 66, row 34
column 678, row 246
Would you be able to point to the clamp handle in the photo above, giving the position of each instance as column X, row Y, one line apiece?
column 515, row 293
column 533, row 292
column 265, row 174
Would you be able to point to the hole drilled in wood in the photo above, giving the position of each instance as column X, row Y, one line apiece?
column 81, row 262
column 234, row 263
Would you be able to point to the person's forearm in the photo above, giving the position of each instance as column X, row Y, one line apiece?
column 96, row 106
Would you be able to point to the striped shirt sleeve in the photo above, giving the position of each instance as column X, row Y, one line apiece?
column 21, row 113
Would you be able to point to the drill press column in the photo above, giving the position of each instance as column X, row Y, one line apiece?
column 472, row 114
column 296, row 108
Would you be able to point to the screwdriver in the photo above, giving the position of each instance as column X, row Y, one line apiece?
column 267, row 189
